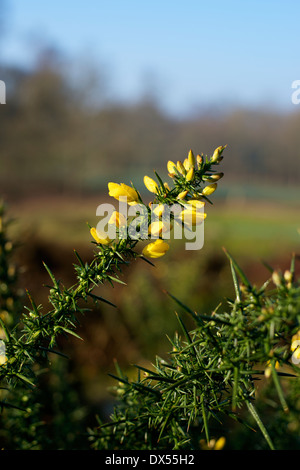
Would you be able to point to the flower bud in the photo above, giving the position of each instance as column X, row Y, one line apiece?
column 120, row 191
column 186, row 164
column 180, row 167
column 171, row 168
column 208, row 190
column 182, row 195
column 217, row 155
column 276, row 278
column 157, row 228
column 288, row 276
column 199, row 159
column 155, row 249
column 101, row 238
column 191, row 158
column 214, row 177
column 118, row 219
column 150, row 184
column 190, row 174
column 159, row 210
column 195, row 203
column 192, row 217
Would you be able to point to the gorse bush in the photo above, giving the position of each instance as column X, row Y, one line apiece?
column 213, row 369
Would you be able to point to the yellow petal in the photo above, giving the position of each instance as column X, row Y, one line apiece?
column 159, row 227
column 159, row 210
column 187, row 165
column 121, row 191
column 170, row 166
column 155, row 249
column 192, row 217
column 209, row 189
column 220, row 443
column 150, row 184
column 195, row 204
column 182, row 195
column 199, row 159
column 101, row 238
column 180, row 167
column 191, row 158
column 190, row 174
column 117, row 219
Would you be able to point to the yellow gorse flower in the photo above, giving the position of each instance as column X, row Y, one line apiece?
column 208, row 190
column 180, row 168
column 156, row 249
column 171, row 168
column 182, row 195
column 217, row 155
column 101, row 238
column 191, row 158
column 150, row 184
column 159, row 227
column 159, row 210
column 184, row 168
column 190, row 174
column 214, row 177
column 118, row 219
column 194, row 203
column 187, row 164
column 192, row 217
column 199, row 160
column 123, row 191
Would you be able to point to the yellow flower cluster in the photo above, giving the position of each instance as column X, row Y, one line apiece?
column 185, row 168
column 192, row 201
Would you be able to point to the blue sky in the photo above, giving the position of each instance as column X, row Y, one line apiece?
column 195, row 53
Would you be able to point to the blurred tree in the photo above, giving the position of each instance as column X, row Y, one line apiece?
column 62, row 131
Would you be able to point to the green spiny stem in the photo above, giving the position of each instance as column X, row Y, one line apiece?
column 278, row 387
column 260, row 424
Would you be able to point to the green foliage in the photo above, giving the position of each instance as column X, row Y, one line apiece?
column 210, row 377
column 211, row 373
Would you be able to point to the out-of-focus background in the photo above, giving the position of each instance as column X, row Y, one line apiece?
column 108, row 91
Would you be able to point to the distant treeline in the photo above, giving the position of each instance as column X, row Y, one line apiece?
column 55, row 136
